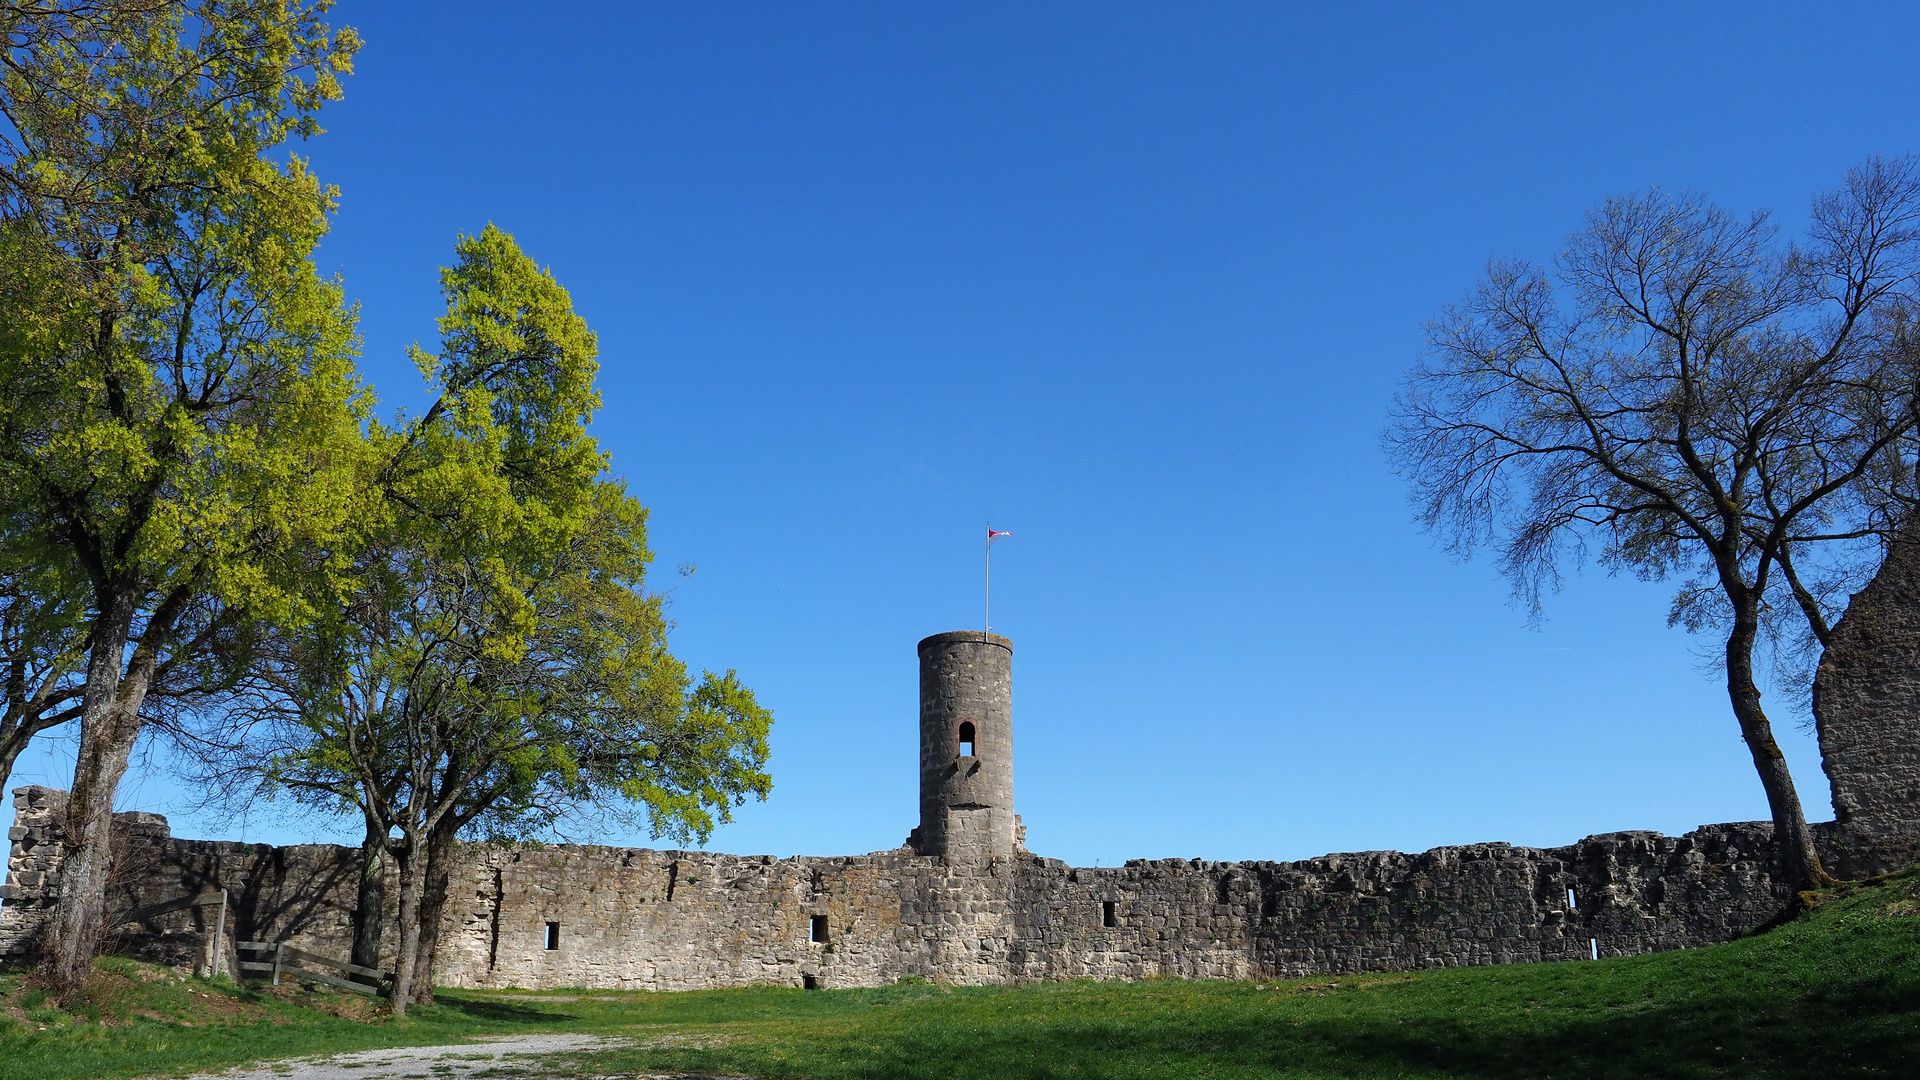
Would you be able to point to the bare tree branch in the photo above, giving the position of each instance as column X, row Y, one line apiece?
column 1692, row 399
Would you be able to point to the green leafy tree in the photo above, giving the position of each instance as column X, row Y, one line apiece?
column 1698, row 401
column 588, row 717
column 499, row 669
column 180, row 421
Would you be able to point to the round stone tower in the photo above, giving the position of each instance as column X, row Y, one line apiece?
column 966, row 746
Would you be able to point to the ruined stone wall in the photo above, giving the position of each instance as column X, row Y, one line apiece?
column 302, row 893
column 668, row 920
column 1866, row 708
column 1617, row 894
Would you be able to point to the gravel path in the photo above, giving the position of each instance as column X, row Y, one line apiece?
column 494, row 1056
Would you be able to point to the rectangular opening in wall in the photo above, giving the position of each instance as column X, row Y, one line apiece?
column 819, row 928
column 553, row 936
column 811, row 982
column 1593, row 943
column 1573, row 899
column 1108, row 917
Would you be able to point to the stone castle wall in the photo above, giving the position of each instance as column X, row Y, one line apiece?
column 1866, row 708
column 669, row 920
column 301, row 893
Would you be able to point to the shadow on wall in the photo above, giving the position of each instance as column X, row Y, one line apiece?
column 568, row 915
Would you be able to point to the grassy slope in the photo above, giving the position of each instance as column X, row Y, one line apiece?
column 1836, row 993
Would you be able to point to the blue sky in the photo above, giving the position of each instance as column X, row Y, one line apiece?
column 1136, row 282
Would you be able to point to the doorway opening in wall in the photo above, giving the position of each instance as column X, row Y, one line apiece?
column 966, row 739
column 1108, row 917
column 811, row 982
column 819, row 928
column 553, row 936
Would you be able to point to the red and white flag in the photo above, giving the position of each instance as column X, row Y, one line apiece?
column 986, row 583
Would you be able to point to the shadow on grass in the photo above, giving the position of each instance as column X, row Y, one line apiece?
column 497, row 1011
column 1836, row 999
column 1853, row 1037
column 1845, row 1037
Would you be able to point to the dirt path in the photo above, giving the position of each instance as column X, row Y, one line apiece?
column 498, row 1056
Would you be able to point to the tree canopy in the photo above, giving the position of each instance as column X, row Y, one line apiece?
column 438, row 623
column 182, row 414
column 497, row 666
column 1696, row 400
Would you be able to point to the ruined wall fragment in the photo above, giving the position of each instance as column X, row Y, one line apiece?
column 1866, row 708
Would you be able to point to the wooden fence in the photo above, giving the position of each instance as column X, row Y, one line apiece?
column 300, row 964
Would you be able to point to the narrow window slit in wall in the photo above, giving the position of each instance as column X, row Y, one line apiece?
column 966, row 739
column 1593, row 943
column 1573, row 898
column 819, row 928
column 553, row 936
column 493, row 930
column 1108, row 917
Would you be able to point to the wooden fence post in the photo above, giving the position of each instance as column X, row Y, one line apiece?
column 220, row 940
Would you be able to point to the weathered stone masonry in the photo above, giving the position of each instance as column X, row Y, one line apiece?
column 983, row 911
column 1866, row 707
column 636, row 918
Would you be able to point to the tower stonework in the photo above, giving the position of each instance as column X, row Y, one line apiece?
column 966, row 747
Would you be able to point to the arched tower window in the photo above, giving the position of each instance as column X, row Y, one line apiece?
column 966, row 738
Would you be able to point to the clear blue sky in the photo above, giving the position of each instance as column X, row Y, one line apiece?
column 1136, row 282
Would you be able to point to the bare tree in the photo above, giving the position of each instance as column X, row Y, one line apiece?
column 1701, row 402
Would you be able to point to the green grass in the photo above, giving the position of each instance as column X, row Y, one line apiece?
column 1833, row 994
column 144, row 1021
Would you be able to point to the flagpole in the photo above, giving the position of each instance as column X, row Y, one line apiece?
column 986, row 580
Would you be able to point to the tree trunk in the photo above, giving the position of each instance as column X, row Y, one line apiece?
column 370, row 905
column 438, row 876
column 109, row 725
column 409, row 928
column 1793, row 840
